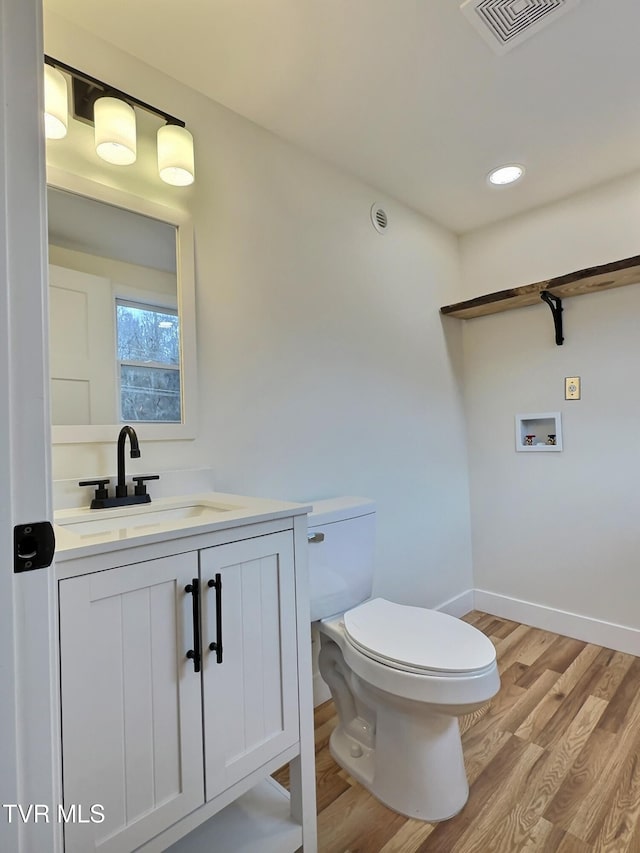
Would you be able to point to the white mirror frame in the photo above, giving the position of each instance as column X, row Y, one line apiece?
column 185, row 268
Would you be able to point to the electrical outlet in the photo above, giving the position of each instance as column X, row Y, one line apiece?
column 572, row 388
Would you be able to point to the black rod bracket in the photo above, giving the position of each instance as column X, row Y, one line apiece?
column 87, row 90
column 555, row 304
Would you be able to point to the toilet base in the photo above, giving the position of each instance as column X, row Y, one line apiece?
column 405, row 749
column 415, row 768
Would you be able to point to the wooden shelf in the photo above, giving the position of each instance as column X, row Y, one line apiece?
column 590, row 280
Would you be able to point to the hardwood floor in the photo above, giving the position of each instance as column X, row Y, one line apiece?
column 553, row 762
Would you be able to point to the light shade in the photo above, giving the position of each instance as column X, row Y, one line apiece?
column 115, row 131
column 175, row 155
column 506, row 174
column 55, row 103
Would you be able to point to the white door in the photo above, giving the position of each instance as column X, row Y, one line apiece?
column 83, row 351
column 131, row 702
column 28, row 717
column 251, row 696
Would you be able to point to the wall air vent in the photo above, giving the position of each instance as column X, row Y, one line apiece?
column 379, row 218
column 507, row 23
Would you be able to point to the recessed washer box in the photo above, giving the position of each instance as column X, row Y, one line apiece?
column 539, row 431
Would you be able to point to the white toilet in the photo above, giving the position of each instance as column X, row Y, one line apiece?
column 400, row 676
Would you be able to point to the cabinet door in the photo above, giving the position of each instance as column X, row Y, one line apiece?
column 131, row 712
column 251, row 697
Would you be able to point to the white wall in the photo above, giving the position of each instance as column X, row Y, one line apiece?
column 557, row 529
column 324, row 367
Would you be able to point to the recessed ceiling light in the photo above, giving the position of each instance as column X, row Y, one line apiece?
column 506, row 174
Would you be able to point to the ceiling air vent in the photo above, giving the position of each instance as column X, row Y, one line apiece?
column 379, row 218
column 507, row 23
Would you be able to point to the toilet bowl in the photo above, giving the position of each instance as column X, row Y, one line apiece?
column 400, row 676
column 398, row 730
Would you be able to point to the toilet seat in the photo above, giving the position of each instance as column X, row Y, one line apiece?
column 417, row 640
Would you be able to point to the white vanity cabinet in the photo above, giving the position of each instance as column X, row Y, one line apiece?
column 250, row 697
column 131, row 704
column 167, row 743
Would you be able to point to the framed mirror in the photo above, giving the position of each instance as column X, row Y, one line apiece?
column 121, row 314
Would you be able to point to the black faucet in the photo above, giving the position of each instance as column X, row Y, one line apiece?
column 121, row 487
column 122, row 497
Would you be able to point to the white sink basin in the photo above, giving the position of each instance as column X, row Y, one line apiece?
column 84, row 532
column 139, row 518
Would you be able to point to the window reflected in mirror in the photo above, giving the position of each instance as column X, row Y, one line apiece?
column 148, row 362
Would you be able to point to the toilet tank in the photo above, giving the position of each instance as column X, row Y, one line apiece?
column 341, row 541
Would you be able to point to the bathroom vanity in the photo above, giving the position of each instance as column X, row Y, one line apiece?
column 185, row 676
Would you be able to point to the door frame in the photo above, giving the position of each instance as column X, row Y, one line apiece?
column 29, row 691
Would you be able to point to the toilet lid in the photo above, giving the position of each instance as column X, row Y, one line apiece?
column 416, row 638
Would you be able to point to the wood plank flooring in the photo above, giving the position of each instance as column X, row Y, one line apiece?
column 553, row 761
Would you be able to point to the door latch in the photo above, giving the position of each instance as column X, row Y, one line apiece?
column 34, row 545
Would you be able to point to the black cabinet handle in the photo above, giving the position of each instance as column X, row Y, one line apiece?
column 217, row 646
column 195, row 653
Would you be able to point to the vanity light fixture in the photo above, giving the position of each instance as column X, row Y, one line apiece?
column 55, row 103
column 175, row 155
column 506, row 174
column 115, row 131
column 113, row 115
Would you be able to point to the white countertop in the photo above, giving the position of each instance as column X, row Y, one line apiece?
column 86, row 532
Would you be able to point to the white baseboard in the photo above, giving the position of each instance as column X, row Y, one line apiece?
column 460, row 605
column 601, row 633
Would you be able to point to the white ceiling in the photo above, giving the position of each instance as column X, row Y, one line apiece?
column 404, row 93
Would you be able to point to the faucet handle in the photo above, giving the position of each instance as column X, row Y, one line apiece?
column 140, row 488
column 102, row 492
